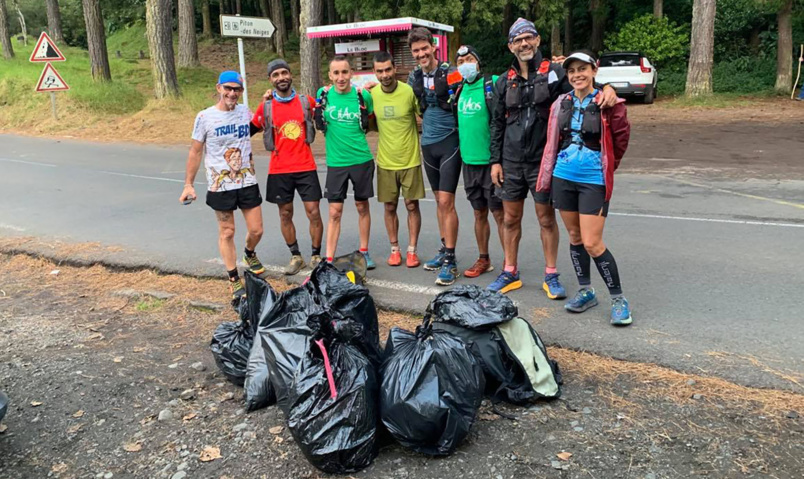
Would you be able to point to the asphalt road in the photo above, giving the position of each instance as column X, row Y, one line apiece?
column 712, row 267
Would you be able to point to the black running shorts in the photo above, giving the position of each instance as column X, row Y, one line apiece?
column 518, row 179
column 243, row 198
column 442, row 164
column 280, row 188
column 479, row 189
column 338, row 178
column 584, row 198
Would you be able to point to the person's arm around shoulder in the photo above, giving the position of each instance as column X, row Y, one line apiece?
column 257, row 121
column 620, row 131
column 608, row 96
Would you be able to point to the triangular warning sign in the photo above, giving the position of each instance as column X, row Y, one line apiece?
column 50, row 80
column 46, row 50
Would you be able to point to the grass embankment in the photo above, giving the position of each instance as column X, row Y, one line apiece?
column 123, row 109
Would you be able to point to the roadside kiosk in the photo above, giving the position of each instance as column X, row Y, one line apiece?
column 360, row 40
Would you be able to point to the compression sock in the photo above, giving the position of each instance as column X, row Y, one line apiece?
column 317, row 250
column 294, row 248
column 250, row 253
column 607, row 267
column 233, row 276
column 581, row 262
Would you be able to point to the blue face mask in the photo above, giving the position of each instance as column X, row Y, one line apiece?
column 468, row 71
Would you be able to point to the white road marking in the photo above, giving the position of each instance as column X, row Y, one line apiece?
column 735, row 193
column 12, row 227
column 172, row 180
column 710, row 220
column 35, row 163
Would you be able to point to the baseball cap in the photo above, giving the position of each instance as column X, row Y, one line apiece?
column 230, row 76
column 579, row 56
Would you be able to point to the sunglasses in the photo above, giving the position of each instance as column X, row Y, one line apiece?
column 237, row 89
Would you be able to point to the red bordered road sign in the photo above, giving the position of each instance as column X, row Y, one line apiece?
column 50, row 80
column 46, row 50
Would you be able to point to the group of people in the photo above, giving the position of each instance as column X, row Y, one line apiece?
column 543, row 127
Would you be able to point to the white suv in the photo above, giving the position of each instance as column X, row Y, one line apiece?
column 630, row 73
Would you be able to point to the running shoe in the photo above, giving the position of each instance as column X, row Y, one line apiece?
column 584, row 299
column 481, row 266
column 315, row 260
column 553, row 287
column 395, row 259
column 237, row 289
column 296, row 264
column 620, row 312
column 447, row 275
column 505, row 282
column 254, row 264
column 412, row 261
column 370, row 264
column 436, row 262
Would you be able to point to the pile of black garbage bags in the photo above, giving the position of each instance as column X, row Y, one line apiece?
column 315, row 352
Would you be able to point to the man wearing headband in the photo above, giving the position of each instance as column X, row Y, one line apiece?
column 434, row 85
column 221, row 135
column 286, row 120
column 518, row 135
column 474, row 100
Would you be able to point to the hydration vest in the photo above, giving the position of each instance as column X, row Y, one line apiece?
column 540, row 98
column 445, row 93
column 268, row 123
column 590, row 124
column 321, row 107
column 488, row 93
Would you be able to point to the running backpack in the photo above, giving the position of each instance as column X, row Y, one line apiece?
column 321, row 107
column 269, row 128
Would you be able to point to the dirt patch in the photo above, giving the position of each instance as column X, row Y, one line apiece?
column 89, row 375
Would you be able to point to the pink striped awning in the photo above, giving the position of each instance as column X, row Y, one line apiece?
column 361, row 31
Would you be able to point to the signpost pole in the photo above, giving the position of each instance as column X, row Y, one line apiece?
column 242, row 69
column 53, row 105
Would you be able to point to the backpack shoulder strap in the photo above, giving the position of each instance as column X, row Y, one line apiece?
column 267, row 115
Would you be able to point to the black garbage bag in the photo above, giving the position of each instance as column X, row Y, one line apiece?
column 353, row 262
column 432, row 387
column 285, row 338
column 472, row 307
column 258, row 388
column 334, row 291
column 231, row 344
column 334, row 408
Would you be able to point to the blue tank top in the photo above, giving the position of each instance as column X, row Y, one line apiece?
column 577, row 162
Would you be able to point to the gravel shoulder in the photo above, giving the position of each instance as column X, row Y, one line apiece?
column 106, row 380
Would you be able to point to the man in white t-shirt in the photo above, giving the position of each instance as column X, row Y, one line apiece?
column 221, row 133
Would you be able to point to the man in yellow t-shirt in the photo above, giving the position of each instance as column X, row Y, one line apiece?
column 398, row 158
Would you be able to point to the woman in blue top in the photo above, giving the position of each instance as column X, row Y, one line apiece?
column 590, row 143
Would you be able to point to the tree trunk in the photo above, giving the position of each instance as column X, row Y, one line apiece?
column 753, row 41
column 702, row 44
column 21, row 19
column 222, row 7
column 657, row 8
column 5, row 32
column 238, row 9
column 598, row 9
column 332, row 19
column 568, row 27
column 158, row 23
column 555, row 40
column 265, row 11
column 508, row 18
column 278, row 18
column 294, row 16
column 310, row 48
column 54, row 21
column 206, row 19
column 188, row 43
column 96, row 39
column 784, row 48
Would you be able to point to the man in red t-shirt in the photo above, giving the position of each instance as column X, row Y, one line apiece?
column 292, row 167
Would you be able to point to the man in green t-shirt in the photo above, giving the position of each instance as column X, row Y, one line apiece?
column 474, row 139
column 342, row 114
column 398, row 158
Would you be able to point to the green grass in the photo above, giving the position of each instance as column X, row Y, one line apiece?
column 128, row 42
column 149, row 304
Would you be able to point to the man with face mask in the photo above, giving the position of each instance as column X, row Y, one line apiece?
column 523, row 97
column 474, row 104
column 286, row 120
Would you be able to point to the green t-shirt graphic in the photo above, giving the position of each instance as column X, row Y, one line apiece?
column 398, row 145
column 346, row 142
column 473, row 123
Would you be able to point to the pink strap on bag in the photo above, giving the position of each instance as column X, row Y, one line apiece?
column 328, row 368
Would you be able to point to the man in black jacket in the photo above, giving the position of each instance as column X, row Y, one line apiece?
column 524, row 95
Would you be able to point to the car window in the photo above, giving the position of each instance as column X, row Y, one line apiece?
column 619, row 60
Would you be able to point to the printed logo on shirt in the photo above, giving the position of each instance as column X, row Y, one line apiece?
column 342, row 114
column 291, row 130
column 388, row 112
column 468, row 106
column 238, row 131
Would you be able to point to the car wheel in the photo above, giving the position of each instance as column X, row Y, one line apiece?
column 649, row 95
